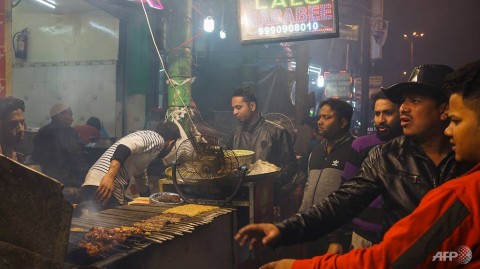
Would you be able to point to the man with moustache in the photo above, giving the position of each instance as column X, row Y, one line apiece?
column 443, row 231
column 326, row 163
column 402, row 170
column 12, row 125
column 368, row 225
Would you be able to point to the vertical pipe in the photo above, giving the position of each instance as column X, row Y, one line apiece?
column 411, row 54
column 365, row 70
column 347, row 57
column 301, row 78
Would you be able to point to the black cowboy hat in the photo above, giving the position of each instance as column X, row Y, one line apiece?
column 425, row 80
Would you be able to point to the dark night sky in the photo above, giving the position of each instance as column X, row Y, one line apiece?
column 452, row 34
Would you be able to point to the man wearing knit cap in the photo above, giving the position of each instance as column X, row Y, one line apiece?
column 59, row 150
column 402, row 170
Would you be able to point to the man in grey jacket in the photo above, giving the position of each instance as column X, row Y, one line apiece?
column 326, row 164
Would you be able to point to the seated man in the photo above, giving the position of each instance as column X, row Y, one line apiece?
column 443, row 231
column 91, row 129
column 12, row 125
column 121, row 170
column 58, row 149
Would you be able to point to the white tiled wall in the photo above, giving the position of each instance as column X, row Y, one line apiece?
column 87, row 86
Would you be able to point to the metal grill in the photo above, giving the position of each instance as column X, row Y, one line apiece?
column 127, row 216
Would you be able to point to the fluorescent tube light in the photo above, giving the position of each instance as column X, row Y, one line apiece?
column 47, row 3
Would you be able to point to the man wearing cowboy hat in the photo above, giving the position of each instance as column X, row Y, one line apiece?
column 58, row 149
column 403, row 170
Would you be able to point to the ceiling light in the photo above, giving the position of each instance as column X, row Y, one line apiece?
column 49, row 4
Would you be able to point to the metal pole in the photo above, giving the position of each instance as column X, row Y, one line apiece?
column 365, row 71
column 301, row 77
column 347, row 57
column 411, row 54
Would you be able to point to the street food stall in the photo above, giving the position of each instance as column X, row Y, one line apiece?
column 38, row 230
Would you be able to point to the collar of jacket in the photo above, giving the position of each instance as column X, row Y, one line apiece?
column 345, row 138
column 409, row 145
column 251, row 127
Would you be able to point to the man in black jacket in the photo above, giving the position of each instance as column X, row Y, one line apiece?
column 402, row 170
column 268, row 140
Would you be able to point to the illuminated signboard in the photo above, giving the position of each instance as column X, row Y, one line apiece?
column 264, row 21
column 338, row 85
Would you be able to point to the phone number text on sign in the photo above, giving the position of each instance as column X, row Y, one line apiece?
column 291, row 28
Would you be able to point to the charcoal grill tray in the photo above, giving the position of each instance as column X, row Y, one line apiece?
column 126, row 216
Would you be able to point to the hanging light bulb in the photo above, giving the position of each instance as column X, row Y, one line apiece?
column 223, row 35
column 208, row 24
column 320, row 81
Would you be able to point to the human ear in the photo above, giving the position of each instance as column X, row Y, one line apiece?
column 444, row 114
column 253, row 106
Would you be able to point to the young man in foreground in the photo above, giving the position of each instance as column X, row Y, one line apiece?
column 446, row 221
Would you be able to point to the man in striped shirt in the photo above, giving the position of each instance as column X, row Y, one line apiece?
column 121, row 170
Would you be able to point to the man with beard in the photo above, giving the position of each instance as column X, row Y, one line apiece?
column 402, row 170
column 121, row 171
column 368, row 225
column 326, row 164
column 12, row 125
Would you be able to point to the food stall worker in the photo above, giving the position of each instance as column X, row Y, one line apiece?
column 116, row 171
column 268, row 140
column 12, row 125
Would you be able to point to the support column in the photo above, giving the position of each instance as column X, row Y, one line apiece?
column 5, row 48
column 179, row 45
column 248, row 69
column 365, row 70
column 301, row 78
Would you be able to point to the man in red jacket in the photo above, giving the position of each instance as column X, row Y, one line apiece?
column 443, row 232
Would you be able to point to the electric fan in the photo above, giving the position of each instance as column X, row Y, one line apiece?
column 205, row 169
column 283, row 121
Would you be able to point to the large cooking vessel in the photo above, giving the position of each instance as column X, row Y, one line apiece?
column 97, row 147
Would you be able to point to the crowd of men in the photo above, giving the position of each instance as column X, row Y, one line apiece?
column 394, row 198
column 426, row 182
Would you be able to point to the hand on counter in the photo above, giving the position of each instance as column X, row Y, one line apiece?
column 266, row 233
